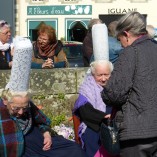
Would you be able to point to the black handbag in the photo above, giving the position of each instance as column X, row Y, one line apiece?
column 109, row 137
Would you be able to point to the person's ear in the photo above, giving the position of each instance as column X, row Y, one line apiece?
column 127, row 35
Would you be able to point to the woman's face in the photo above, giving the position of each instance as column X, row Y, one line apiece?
column 43, row 39
column 123, row 40
column 18, row 106
column 5, row 34
column 102, row 74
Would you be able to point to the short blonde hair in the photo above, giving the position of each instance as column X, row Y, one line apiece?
column 112, row 28
column 93, row 22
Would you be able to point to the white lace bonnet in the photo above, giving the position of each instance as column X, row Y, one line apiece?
column 20, row 71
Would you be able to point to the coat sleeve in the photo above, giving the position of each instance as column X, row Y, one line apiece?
column 61, row 61
column 116, row 91
column 3, row 62
column 91, row 116
column 40, row 119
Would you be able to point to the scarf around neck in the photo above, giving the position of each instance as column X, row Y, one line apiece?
column 92, row 91
column 4, row 47
column 47, row 51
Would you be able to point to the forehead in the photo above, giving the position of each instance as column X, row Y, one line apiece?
column 20, row 101
column 5, row 28
column 44, row 35
column 102, row 68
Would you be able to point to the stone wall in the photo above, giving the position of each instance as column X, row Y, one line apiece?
column 53, row 90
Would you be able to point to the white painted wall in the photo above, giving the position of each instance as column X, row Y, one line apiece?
column 148, row 8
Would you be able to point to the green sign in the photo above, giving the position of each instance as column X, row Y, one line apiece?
column 60, row 10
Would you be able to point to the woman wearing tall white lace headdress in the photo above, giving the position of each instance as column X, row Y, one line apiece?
column 6, row 48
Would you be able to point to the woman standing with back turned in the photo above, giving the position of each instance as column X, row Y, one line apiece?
column 132, row 88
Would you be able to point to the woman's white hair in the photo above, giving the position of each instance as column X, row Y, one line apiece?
column 9, row 95
column 4, row 24
column 100, row 62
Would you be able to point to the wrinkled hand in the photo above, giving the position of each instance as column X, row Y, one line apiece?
column 47, row 141
column 48, row 64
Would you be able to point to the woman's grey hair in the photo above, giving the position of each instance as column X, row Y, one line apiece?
column 100, row 62
column 9, row 95
column 4, row 24
column 93, row 22
column 132, row 22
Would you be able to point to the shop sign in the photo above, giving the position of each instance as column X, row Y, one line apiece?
column 60, row 10
column 120, row 10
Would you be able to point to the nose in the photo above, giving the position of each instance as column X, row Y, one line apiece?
column 103, row 77
column 20, row 111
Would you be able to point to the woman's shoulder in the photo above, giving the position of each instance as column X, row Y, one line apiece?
column 59, row 47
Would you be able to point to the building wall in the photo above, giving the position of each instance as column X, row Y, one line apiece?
column 49, row 86
column 7, row 13
column 98, row 7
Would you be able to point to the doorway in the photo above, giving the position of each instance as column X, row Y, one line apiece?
column 77, row 32
column 76, row 29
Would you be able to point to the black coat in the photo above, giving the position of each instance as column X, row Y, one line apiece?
column 137, row 117
column 5, row 59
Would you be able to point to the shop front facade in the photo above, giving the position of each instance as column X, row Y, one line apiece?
column 70, row 18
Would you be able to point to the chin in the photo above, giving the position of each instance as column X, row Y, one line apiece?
column 102, row 84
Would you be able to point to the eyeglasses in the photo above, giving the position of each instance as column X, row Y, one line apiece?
column 42, row 39
column 3, row 23
column 24, row 109
column 6, row 33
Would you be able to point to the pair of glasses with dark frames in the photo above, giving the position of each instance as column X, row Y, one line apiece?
column 24, row 109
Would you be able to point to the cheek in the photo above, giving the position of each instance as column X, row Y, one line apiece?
column 97, row 79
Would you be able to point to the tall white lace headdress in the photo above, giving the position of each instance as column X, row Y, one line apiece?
column 21, row 66
column 100, row 42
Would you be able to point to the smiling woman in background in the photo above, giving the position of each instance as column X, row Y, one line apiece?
column 48, row 51
column 5, row 46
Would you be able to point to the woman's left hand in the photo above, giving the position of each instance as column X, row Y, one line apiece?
column 108, row 116
column 47, row 141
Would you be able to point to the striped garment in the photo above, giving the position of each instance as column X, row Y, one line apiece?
column 11, row 136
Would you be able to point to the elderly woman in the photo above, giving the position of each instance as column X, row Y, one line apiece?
column 89, row 106
column 48, row 51
column 25, row 131
column 132, row 88
column 5, row 46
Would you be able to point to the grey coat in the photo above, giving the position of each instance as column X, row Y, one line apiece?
column 136, row 117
